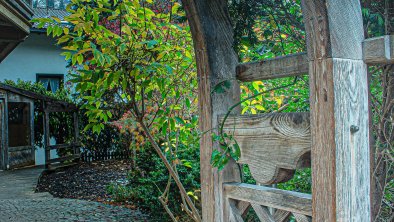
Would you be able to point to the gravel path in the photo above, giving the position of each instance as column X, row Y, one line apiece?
column 19, row 203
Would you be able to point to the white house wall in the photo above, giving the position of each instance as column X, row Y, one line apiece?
column 38, row 54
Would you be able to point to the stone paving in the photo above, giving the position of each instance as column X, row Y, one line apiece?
column 19, row 203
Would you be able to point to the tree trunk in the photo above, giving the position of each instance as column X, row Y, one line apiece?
column 216, row 61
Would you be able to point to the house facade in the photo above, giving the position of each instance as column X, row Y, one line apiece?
column 37, row 58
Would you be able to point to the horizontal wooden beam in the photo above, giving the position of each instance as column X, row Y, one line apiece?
column 63, row 146
column 273, row 145
column 15, row 17
column 19, row 148
column 285, row 66
column 379, row 50
column 56, row 166
column 64, row 158
column 279, row 199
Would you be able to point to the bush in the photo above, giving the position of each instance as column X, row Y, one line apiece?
column 148, row 180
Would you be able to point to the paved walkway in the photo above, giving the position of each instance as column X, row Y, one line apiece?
column 19, row 203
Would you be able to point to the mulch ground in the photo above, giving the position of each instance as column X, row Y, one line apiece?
column 86, row 181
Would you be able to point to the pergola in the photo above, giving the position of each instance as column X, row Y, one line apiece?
column 17, row 128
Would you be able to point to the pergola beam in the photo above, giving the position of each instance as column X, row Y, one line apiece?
column 285, row 66
column 379, row 50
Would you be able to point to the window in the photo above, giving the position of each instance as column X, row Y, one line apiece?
column 19, row 125
column 51, row 82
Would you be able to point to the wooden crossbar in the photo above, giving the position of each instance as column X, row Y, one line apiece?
column 63, row 146
column 273, row 145
column 279, row 67
column 279, row 199
column 379, row 50
column 65, row 158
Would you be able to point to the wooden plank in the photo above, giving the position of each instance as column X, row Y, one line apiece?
column 55, row 166
column 19, row 148
column 65, row 158
column 339, row 113
column 15, row 17
column 352, row 140
column 379, row 50
column 270, row 197
column 262, row 213
column 235, row 214
column 76, row 132
column 61, row 107
column 273, row 145
column 46, row 138
column 49, row 100
column 5, row 135
column 63, row 146
column 301, row 218
column 216, row 62
column 285, row 66
column 281, row 215
column 333, row 29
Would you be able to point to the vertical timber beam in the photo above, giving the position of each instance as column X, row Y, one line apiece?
column 76, row 133
column 46, row 137
column 339, row 110
column 216, row 61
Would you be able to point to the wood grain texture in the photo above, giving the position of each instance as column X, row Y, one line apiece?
column 285, row 66
column 352, row 146
column 281, row 215
column 323, row 140
column 340, row 163
column 301, row 218
column 338, row 101
column 379, row 50
column 273, row 145
column 262, row 213
column 316, row 29
column 333, row 28
column 270, row 197
column 212, row 34
column 235, row 213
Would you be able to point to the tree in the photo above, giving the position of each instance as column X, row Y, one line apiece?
column 128, row 57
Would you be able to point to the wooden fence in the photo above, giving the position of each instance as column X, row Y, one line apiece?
column 90, row 156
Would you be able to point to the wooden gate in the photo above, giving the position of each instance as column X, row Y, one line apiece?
column 333, row 138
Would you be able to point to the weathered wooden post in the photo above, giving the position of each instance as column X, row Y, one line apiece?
column 46, row 136
column 339, row 110
column 216, row 61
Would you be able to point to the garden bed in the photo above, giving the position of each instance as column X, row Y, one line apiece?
column 86, row 181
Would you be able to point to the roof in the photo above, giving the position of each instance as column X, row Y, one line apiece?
column 58, row 104
column 47, row 13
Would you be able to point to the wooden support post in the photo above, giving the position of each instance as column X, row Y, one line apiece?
column 76, row 132
column 46, row 138
column 216, row 62
column 339, row 110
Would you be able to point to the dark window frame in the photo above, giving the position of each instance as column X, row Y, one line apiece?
column 60, row 76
